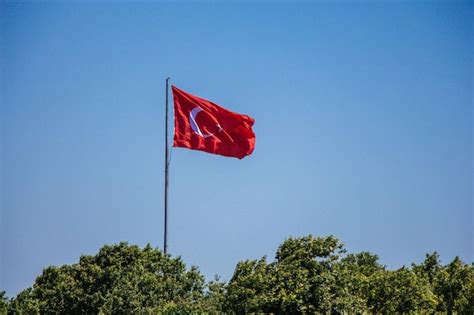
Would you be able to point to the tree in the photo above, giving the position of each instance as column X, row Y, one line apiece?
column 215, row 296
column 429, row 268
column 308, row 275
column 353, row 275
column 399, row 291
column 24, row 303
column 300, row 280
column 249, row 289
column 120, row 279
column 303, row 275
column 3, row 303
column 364, row 263
column 315, row 275
column 454, row 285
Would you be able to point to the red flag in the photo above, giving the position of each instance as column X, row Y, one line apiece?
column 202, row 125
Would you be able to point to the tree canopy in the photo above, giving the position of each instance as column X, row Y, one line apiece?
column 308, row 275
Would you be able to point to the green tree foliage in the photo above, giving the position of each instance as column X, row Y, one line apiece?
column 314, row 275
column 120, row 279
column 250, row 288
column 305, row 277
column 453, row 284
column 215, row 295
column 308, row 275
column 3, row 303
column 400, row 292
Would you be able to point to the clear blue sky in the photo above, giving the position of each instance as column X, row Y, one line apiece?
column 363, row 121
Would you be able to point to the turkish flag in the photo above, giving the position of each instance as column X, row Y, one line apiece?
column 202, row 125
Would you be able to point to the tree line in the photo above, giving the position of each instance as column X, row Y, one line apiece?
column 308, row 275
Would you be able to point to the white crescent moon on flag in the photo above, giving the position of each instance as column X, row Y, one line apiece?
column 194, row 125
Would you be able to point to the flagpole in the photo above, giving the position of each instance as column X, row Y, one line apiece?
column 165, row 246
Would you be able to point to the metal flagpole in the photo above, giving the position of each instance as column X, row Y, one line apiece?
column 165, row 247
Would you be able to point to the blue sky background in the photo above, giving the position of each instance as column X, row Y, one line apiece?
column 363, row 121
